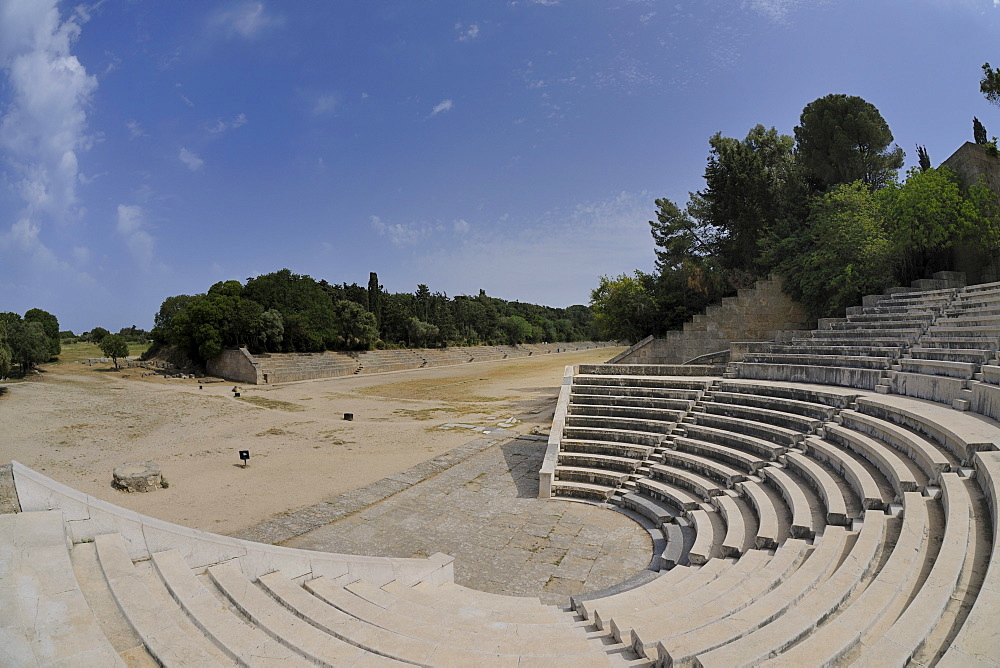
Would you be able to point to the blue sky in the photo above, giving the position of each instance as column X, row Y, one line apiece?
column 149, row 149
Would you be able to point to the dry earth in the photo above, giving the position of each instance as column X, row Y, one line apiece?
column 75, row 423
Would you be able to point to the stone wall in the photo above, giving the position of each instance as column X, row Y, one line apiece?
column 235, row 365
column 972, row 161
column 760, row 313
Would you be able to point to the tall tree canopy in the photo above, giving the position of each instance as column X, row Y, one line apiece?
column 843, row 138
column 989, row 85
column 979, row 131
column 50, row 324
column 746, row 188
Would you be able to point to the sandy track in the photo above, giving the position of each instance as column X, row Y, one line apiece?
column 76, row 423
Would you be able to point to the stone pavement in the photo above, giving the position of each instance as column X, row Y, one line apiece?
column 485, row 512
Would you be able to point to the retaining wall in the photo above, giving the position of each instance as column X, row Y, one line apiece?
column 235, row 365
column 761, row 313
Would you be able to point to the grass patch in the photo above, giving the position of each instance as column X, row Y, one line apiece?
column 330, row 436
column 273, row 404
column 81, row 352
column 460, row 391
column 423, row 413
column 273, row 431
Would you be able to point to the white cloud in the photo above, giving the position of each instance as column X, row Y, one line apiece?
column 135, row 130
column 774, row 10
column 467, row 33
column 191, row 159
column 442, row 106
column 221, row 125
column 400, row 235
column 132, row 227
column 44, row 126
column 247, row 20
column 324, row 104
column 461, row 226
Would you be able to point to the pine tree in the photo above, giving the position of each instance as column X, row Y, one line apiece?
column 978, row 131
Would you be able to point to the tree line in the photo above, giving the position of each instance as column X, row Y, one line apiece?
column 824, row 208
column 27, row 341
column 287, row 312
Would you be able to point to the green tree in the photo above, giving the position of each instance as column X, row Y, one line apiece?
column 515, row 329
column 163, row 321
column 307, row 309
column 928, row 213
column 97, row 334
column 29, row 344
column 842, row 253
column 989, row 85
column 272, row 329
column 423, row 295
column 923, row 158
column 375, row 297
column 979, row 131
column 114, row 346
column 747, row 184
column 51, row 326
column 6, row 354
column 355, row 326
column 421, row 334
column 677, row 236
column 843, row 138
column 623, row 308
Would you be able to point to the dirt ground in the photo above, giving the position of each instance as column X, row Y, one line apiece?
column 75, row 423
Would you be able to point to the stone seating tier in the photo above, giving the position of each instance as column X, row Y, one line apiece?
column 807, row 409
column 970, row 355
column 596, row 476
column 948, row 368
column 725, row 590
column 767, row 432
column 902, row 472
column 709, row 467
column 863, row 379
column 625, row 450
column 598, row 461
column 579, row 398
column 762, row 448
column 614, row 410
column 778, row 418
column 746, row 462
column 872, row 489
column 679, row 645
column 612, row 435
column 620, row 423
column 820, row 603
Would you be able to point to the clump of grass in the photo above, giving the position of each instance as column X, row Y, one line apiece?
column 274, row 404
column 273, row 431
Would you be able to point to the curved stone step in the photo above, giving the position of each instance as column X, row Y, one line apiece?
column 684, row 647
column 907, row 635
column 897, row 579
column 239, row 640
column 164, row 640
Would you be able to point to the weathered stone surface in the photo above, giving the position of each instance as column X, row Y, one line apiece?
column 482, row 510
column 138, row 477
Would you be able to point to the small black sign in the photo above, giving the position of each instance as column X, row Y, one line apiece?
column 244, row 455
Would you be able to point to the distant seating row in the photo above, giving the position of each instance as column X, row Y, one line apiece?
column 286, row 367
